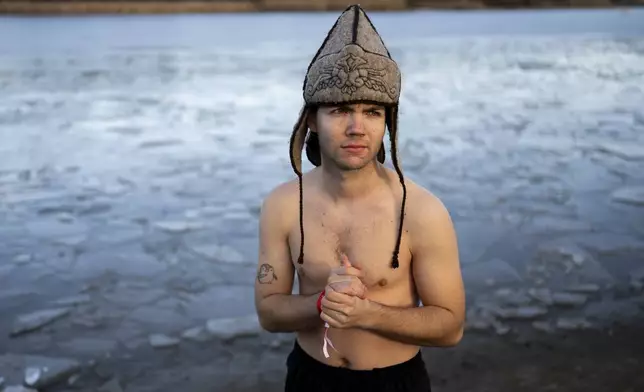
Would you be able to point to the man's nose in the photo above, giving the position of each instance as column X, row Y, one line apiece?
column 356, row 124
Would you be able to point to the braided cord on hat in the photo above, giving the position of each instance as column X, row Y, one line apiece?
column 393, row 120
column 300, row 259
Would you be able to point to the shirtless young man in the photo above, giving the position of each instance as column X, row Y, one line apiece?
column 363, row 266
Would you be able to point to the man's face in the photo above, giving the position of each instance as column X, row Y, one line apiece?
column 351, row 135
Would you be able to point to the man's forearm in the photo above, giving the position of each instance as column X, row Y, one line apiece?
column 289, row 312
column 423, row 326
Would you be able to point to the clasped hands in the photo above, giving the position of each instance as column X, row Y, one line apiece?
column 344, row 304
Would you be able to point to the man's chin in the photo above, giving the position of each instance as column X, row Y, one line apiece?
column 352, row 164
column 351, row 167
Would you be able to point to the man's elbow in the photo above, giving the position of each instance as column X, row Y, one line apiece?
column 264, row 316
column 454, row 338
column 269, row 319
column 268, row 325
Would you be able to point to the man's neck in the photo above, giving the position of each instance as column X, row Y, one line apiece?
column 354, row 184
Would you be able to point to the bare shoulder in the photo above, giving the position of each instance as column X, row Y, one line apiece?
column 282, row 201
column 425, row 214
column 422, row 202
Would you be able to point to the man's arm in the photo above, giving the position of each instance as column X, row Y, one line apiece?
column 437, row 274
column 277, row 308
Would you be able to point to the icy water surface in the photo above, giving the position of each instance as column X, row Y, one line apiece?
column 135, row 152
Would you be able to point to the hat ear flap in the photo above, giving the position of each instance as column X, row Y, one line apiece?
column 381, row 153
column 313, row 149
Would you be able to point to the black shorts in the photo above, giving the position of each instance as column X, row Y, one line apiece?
column 306, row 374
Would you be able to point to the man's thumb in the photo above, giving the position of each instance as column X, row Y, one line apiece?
column 345, row 261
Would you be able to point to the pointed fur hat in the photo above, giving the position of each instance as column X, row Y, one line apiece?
column 352, row 65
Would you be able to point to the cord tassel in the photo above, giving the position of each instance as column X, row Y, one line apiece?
column 325, row 349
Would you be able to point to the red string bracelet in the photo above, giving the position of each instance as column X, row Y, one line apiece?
column 319, row 303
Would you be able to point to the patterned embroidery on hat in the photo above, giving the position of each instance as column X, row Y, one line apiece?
column 350, row 73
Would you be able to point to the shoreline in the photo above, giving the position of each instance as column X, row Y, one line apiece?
column 25, row 7
column 582, row 360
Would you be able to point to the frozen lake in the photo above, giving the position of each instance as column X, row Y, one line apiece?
column 135, row 151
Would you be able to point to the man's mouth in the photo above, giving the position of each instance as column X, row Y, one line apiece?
column 354, row 147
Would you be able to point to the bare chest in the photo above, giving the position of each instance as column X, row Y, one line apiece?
column 367, row 235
